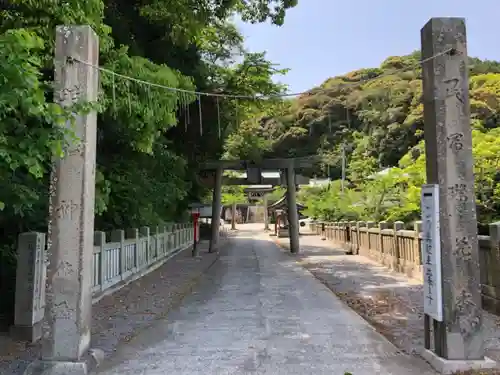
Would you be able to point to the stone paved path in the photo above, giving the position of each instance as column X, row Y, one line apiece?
column 390, row 301
column 258, row 312
column 121, row 315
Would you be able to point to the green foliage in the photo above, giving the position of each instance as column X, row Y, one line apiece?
column 232, row 194
column 276, row 194
column 149, row 143
column 395, row 195
column 144, row 174
column 31, row 129
column 262, row 10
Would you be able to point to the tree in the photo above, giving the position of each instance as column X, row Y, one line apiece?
column 232, row 195
column 30, row 132
column 276, row 194
column 149, row 140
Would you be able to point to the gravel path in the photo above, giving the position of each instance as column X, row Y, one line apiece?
column 120, row 316
column 390, row 301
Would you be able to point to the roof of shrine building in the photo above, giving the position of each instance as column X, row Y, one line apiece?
column 282, row 204
column 259, row 188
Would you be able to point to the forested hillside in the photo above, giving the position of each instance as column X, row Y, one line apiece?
column 377, row 113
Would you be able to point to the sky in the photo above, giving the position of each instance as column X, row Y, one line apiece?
column 325, row 38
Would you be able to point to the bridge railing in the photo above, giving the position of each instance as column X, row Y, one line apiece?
column 400, row 249
column 130, row 252
column 118, row 258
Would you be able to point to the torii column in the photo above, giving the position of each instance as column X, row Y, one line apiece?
column 266, row 213
column 293, row 216
column 216, row 210
column 233, row 216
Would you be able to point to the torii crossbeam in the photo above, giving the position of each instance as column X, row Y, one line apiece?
column 254, row 176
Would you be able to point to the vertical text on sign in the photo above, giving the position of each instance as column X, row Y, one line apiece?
column 431, row 252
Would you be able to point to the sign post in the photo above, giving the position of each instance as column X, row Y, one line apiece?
column 431, row 252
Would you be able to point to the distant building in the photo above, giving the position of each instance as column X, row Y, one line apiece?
column 282, row 205
column 264, row 174
column 319, row 181
column 383, row 172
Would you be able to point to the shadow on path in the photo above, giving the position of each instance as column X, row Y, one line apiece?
column 390, row 301
column 117, row 318
column 257, row 311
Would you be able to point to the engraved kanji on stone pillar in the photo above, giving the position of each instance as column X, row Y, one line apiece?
column 71, row 210
column 448, row 147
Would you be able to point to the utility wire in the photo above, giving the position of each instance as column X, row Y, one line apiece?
column 249, row 97
column 198, row 94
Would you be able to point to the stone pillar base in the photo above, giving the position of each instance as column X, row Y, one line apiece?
column 57, row 368
column 26, row 333
column 450, row 366
column 85, row 366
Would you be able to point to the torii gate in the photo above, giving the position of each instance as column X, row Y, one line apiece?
column 254, row 177
column 257, row 192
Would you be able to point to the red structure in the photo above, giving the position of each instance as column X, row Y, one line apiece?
column 196, row 232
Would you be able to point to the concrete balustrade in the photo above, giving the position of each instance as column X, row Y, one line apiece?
column 118, row 258
column 399, row 249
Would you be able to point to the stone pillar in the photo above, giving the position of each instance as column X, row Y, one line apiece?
column 118, row 235
column 100, row 240
column 359, row 225
column 493, row 267
column 30, row 287
column 68, row 312
column 133, row 234
column 216, row 210
column 382, row 253
column 233, row 216
column 266, row 213
column 293, row 216
column 398, row 225
column 449, row 163
column 369, row 225
column 144, row 232
column 353, row 246
column 276, row 222
column 155, row 234
column 417, row 248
